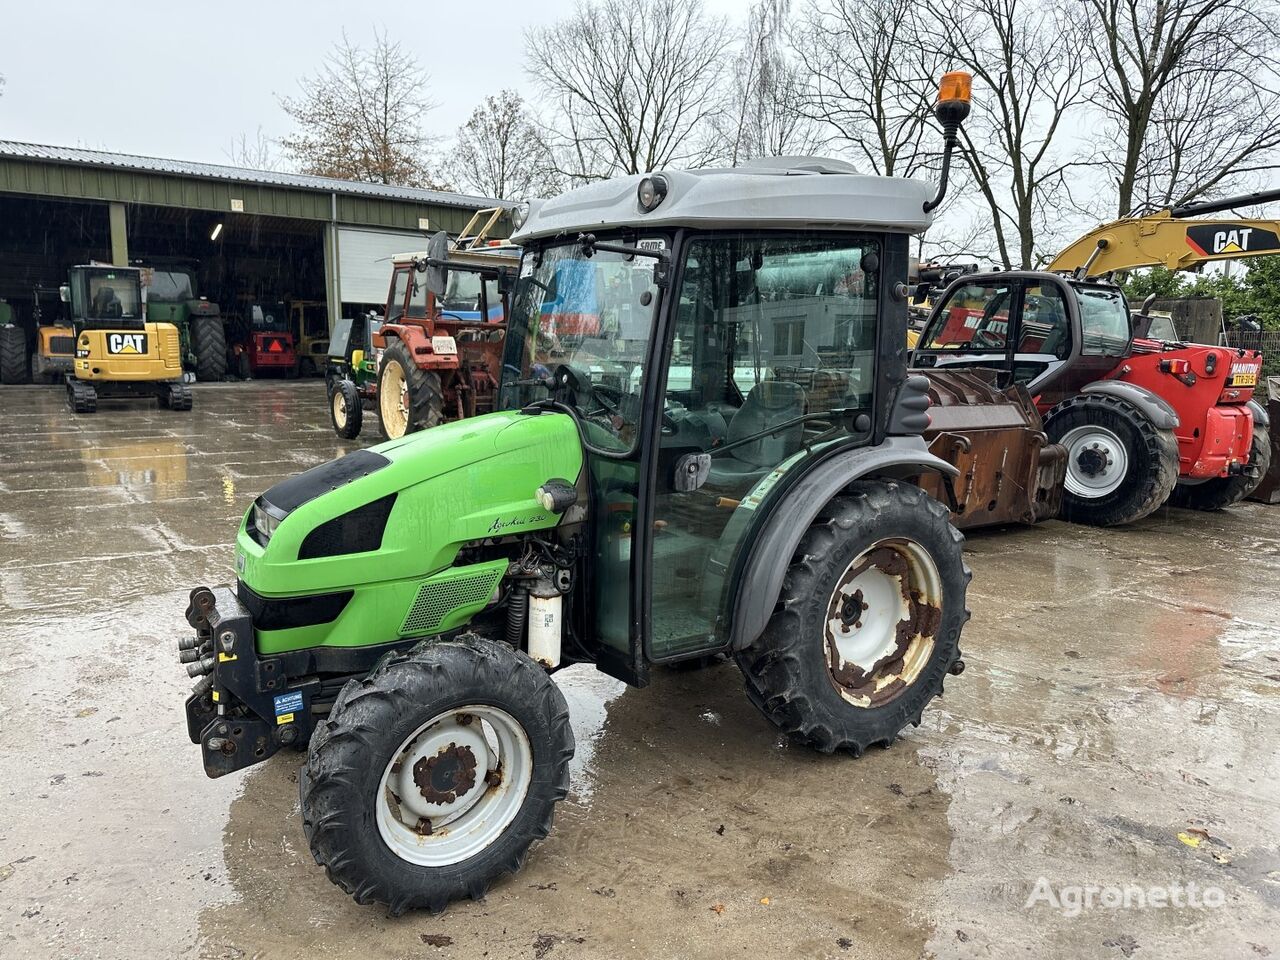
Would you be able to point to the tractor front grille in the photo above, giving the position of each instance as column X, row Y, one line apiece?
column 437, row 599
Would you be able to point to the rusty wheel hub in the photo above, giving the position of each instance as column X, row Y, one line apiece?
column 881, row 621
column 454, row 785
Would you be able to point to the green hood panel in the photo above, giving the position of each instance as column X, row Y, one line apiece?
column 455, row 483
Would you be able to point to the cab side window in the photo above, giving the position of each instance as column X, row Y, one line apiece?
column 1045, row 326
column 399, row 287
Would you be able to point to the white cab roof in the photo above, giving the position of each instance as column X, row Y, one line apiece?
column 770, row 193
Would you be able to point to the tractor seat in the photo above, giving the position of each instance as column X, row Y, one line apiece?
column 769, row 403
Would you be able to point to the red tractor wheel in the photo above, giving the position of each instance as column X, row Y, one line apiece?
column 409, row 398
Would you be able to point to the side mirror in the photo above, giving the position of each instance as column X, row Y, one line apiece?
column 437, row 274
column 64, row 293
column 691, row 472
column 921, row 294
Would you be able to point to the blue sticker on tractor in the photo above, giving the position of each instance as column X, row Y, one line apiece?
column 288, row 702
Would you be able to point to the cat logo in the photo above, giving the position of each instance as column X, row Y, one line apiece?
column 1228, row 239
column 127, row 343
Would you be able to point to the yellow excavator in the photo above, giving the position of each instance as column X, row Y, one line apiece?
column 119, row 353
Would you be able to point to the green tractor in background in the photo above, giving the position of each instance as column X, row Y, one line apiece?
column 171, row 298
column 706, row 441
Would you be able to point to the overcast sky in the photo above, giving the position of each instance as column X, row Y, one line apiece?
column 181, row 80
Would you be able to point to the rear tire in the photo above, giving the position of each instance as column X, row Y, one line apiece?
column 209, row 344
column 389, row 732
column 13, row 355
column 1218, row 493
column 1120, row 466
column 797, row 672
column 345, row 410
column 417, row 405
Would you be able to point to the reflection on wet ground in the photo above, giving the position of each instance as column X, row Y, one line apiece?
column 1123, row 688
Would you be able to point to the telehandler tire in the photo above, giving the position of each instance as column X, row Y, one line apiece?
column 345, row 410
column 1217, row 493
column 1120, row 466
column 409, row 398
column 209, row 344
column 868, row 623
column 431, row 777
column 13, row 355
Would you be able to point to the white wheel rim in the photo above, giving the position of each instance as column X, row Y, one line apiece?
column 339, row 409
column 881, row 621
column 454, row 786
column 393, row 400
column 1097, row 461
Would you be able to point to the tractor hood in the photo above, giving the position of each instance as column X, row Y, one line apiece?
column 402, row 509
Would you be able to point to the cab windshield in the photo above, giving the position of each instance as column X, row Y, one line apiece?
column 593, row 314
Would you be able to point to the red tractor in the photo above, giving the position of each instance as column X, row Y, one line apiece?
column 262, row 342
column 439, row 347
column 1142, row 421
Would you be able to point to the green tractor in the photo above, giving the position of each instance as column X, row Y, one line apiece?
column 171, row 298
column 706, row 442
column 351, row 372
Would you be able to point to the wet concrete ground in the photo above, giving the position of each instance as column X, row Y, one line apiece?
column 1123, row 688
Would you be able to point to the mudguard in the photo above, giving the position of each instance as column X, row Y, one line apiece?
column 1152, row 406
column 1260, row 417
column 760, row 581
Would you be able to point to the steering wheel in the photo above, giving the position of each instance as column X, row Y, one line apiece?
column 985, row 338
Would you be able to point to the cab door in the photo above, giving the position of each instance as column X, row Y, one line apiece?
column 772, row 344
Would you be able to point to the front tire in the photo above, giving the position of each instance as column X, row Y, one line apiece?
column 432, row 776
column 345, row 410
column 868, row 623
column 409, row 398
column 1217, row 493
column 209, row 344
column 1120, row 466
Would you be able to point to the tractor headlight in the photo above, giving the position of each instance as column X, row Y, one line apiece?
column 519, row 214
column 651, row 191
column 264, row 523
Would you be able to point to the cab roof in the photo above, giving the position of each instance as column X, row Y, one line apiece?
column 769, row 193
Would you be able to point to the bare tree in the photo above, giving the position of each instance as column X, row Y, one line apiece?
column 360, row 116
column 1191, row 91
column 500, row 152
column 1027, row 59
column 873, row 70
column 256, row 152
column 765, row 116
column 633, row 88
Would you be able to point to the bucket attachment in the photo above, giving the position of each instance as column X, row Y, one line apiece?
column 1009, row 472
column 1268, row 491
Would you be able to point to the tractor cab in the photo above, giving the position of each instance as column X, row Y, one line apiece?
column 707, row 367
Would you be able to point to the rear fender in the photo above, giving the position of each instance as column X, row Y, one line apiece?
column 759, row 583
column 1152, row 406
column 1260, row 416
column 419, row 344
